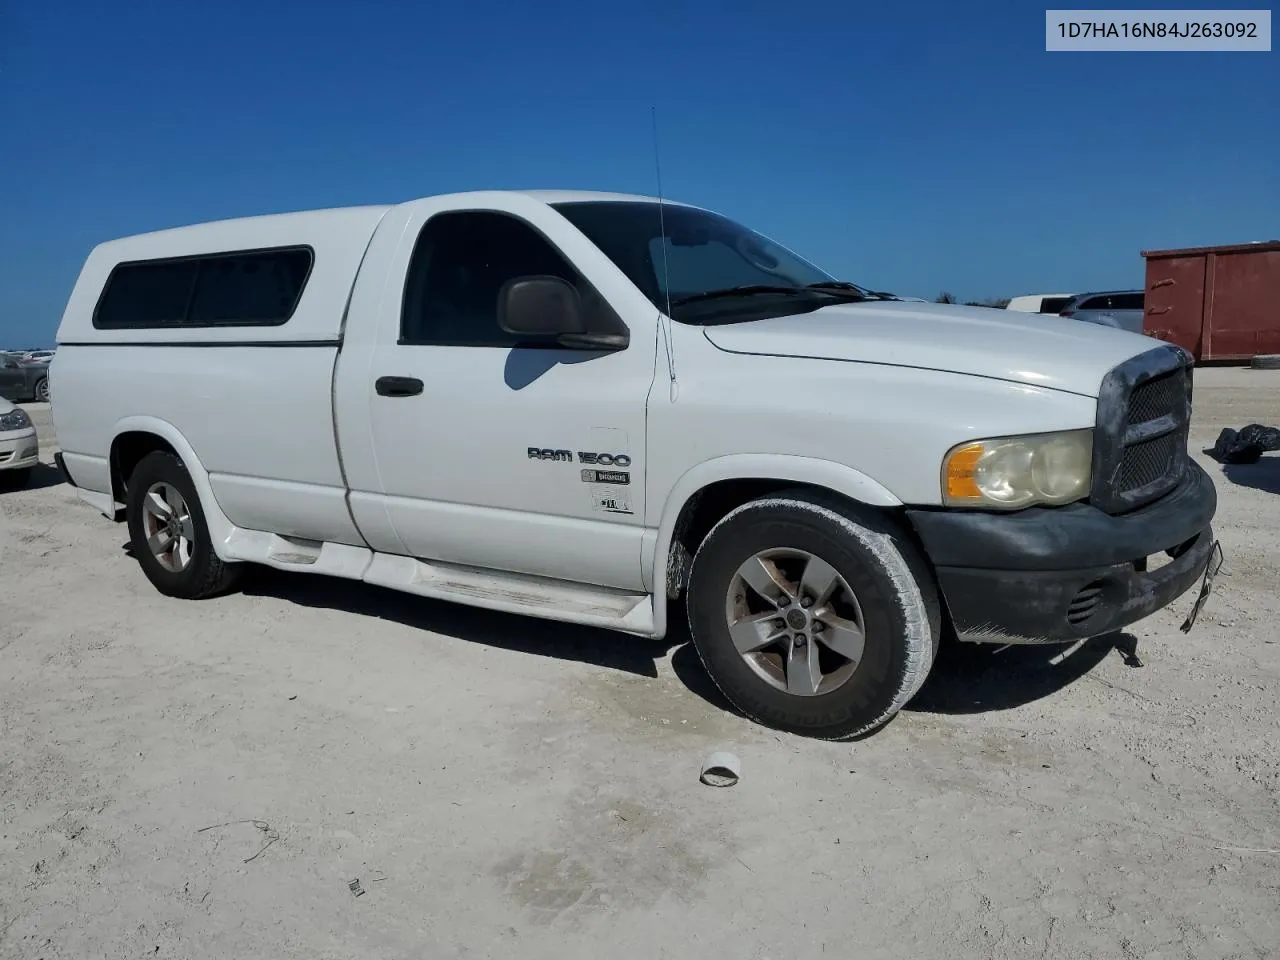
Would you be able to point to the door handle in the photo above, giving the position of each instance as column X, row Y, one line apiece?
column 398, row 386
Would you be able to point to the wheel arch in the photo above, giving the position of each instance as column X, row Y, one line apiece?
column 134, row 438
column 708, row 491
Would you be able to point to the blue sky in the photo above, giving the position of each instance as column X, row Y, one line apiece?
column 914, row 147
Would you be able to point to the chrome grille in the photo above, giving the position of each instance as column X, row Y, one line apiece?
column 1140, row 441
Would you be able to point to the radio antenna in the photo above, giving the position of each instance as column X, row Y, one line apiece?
column 666, row 275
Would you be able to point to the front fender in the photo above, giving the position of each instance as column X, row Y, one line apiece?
column 811, row 471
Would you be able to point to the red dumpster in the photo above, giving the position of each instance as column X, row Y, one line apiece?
column 1220, row 303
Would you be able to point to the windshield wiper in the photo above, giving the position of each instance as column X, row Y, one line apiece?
column 853, row 289
column 830, row 289
column 746, row 290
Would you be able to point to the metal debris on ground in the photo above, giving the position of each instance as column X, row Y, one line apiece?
column 1127, row 647
column 355, row 888
column 721, row 770
column 270, row 834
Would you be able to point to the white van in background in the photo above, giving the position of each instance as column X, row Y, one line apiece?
column 1040, row 302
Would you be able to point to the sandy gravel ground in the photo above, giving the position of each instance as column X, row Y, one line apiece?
column 504, row 787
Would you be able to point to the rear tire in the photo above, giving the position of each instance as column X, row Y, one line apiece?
column 873, row 632
column 168, row 533
column 14, row 479
column 1266, row 361
column 42, row 390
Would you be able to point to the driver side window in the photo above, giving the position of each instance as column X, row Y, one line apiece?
column 459, row 264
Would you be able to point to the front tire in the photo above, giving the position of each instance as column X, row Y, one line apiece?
column 168, row 533
column 812, row 617
column 42, row 390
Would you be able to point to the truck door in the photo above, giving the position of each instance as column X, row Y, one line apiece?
column 488, row 451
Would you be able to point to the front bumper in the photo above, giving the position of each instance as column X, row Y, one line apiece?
column 1051, row 575
column 18, row 449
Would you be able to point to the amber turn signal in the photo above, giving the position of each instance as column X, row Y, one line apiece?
column 961, row 482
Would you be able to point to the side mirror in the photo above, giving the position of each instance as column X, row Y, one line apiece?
column 548, row 306
column 540, row 306
column 545, row 306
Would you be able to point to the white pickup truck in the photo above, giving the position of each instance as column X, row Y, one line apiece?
column 585, row 406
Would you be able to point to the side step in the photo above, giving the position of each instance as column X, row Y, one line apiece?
column 475, row 587
column 294, row 553
column 516, row 593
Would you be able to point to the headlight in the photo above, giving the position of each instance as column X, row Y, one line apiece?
column 1012, row 472
column 15, row 419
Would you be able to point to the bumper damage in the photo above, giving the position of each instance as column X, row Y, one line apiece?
column 1058, row 575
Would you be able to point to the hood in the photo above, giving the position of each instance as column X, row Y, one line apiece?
column 1036, row 349
column 5, row 406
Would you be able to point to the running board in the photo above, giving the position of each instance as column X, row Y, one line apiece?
column 475, row 587
column 294, row 553
column 516, row 593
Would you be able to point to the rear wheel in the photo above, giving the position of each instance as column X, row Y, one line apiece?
column 42, row 390
column 812, row 618
column 168, row 532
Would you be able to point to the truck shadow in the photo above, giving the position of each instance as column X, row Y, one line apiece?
column 1263, row 475
column 966, row 678
column 42, row 476
column 507, row 631
column 979, row 678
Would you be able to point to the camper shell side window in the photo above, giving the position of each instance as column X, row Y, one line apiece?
column 242, row 288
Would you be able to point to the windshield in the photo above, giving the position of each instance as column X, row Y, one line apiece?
column 711, row 263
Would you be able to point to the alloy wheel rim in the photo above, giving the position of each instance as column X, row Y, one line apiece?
column 795, row 621
column 168, row 527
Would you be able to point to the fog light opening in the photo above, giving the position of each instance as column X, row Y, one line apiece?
column 1085, row 603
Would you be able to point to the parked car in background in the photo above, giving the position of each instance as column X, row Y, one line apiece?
column 1117, row 308
column 19, row 449
column 1040, row 302
column 23, row 381
column 37, row 356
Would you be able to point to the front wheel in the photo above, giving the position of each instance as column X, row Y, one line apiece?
column 812, row 618
column 168, row 533
column 42, row 390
